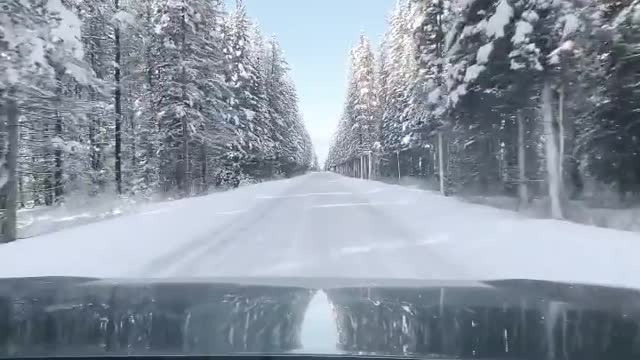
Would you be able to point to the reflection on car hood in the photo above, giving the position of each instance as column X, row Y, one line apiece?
column 495, row 319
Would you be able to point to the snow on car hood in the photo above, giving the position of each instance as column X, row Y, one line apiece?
column 514, row 318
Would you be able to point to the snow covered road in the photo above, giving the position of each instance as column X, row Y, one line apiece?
column 325, row 225
column 321, row 225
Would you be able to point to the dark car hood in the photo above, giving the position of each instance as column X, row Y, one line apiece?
column 493, row 319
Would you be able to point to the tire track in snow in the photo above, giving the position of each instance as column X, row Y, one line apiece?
column 422, row 263
column 213, row 246
column 204, row 243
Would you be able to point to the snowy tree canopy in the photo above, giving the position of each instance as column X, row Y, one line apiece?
column 145, row 98
column 528, row 97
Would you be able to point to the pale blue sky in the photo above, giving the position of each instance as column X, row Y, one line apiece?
column 316, row 36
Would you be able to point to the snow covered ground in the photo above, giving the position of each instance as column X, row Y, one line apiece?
column 46, row 219
column 84, row 210
column 325, row 225
column 603, row 207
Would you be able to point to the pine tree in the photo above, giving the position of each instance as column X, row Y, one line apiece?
column 395, row 74
column 44, row 81
column 241, row 75
column 145, row 179
column 613, row 147
column 182, row 106
column 140, row 98
column 364, row 103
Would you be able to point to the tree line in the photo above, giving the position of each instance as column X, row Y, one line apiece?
column 529, row 98
column 140, row 98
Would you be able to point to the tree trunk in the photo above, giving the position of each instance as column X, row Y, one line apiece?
column 9, row 228
column 441, row 171
column 399, row 173
column 93, row 144
column 20, row 189
column 58, row 190
column 371, row 172
column 203, row 149
column 354, row 168
column 95, row 153
column 554, row 180
column 434, row 163
column 118, row 105
column 561, row 139
column 184, row 169
column 185, row 157
column 523, row 192
column 366, row 166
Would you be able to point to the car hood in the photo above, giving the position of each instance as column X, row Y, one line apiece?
column 489, row 319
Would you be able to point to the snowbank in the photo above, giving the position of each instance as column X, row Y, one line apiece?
column 117, row 246
column 82, row 210
column 614, row 216
column 46, row 219
column 492, row 243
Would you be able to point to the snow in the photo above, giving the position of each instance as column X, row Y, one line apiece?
column 515, row 65
column 116, row 246
column 459, row 91
column 449, row 38
column 77, row 210
column 613, row 217
column 523, row 29
column 497, row 22
column 124, row 18
column 249, row 115
column 158, row 28
column 337, row 193
column 8, row 34
column 418, row 21
column 530, row 15
column 4, row 176
column 434, row 95
column 567, row 46
column 81, row 74
column 483, row 53
column 243, row 73
column 37, row 55
column 57, row 142
column 12, row 76
column 473, row 72
column 571, row 24
column 16, row 36
column 291, row 228
column 69, row 28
